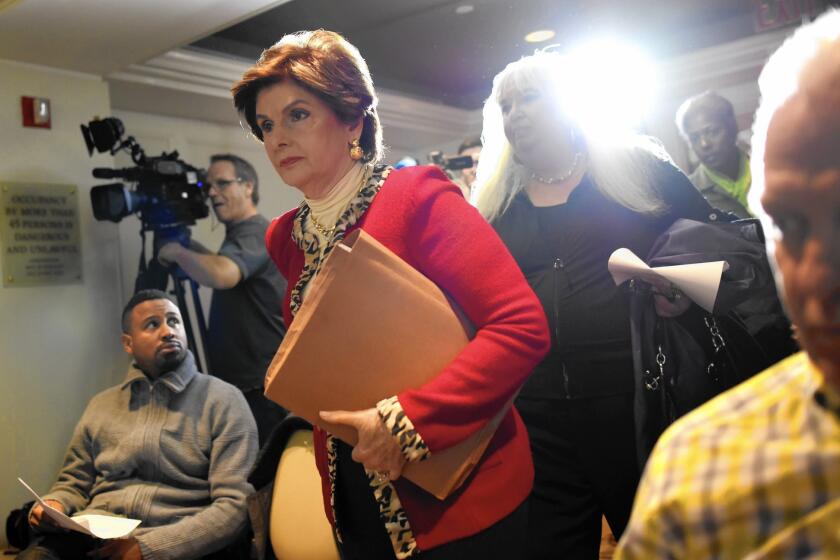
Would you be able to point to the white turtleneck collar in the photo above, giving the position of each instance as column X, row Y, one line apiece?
column 328, row 210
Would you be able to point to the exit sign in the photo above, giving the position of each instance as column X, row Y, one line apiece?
column 772, row 14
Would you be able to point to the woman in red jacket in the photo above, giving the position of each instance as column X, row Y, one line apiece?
column 310, row 100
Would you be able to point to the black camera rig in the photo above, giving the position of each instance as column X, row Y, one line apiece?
column 169, row 193
column 450, row 163
column 169, row 196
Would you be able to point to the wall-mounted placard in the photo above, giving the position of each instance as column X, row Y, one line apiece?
column 39, row 234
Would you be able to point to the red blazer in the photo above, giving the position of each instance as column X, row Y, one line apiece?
column 422, row 217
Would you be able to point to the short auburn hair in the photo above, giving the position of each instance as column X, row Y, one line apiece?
column 326, row 64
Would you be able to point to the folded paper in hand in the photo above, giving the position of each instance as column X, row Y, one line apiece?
column 698, row 281
column 372, row 326
column 100, row 526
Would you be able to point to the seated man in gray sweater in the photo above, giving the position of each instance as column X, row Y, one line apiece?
column 169, row 446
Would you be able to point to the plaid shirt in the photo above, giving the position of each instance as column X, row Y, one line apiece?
column 754, row 473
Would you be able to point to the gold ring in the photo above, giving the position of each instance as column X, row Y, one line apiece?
column 379, row 478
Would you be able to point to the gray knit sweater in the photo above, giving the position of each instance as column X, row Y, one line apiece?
column 174, row 453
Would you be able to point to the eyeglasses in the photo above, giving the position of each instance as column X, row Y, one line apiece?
column 222, row 184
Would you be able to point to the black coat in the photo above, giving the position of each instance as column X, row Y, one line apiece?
column 563, row 251
column 696, row 364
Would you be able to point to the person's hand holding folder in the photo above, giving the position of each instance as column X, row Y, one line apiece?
column 376, row 448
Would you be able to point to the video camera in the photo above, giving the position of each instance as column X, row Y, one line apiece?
column 169, row 194
column 453, row 163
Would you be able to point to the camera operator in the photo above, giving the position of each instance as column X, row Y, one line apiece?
column 461, row 168
column 470, row 147
column 245, row 326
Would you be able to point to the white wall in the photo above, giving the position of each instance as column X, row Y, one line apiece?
column 58, row 345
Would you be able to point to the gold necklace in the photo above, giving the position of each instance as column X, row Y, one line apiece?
column 326, row 232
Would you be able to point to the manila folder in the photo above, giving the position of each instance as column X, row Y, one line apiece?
column 372, row 326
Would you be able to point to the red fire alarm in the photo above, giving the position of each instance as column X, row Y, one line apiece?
column 36, row 112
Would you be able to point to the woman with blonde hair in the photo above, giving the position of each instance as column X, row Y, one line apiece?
column 563, row 199
column 310, row 100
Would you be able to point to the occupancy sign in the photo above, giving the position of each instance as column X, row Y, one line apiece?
column 39, row 227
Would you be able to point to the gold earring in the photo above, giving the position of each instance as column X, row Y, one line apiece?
column 356, row 151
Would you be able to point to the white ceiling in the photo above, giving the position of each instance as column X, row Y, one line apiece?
column 135, row 46
column 196, row 85
column 103, row 36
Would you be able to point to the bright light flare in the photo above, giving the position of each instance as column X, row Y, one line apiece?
column 614, row 87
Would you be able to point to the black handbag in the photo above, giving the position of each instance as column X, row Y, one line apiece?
column 682, row 362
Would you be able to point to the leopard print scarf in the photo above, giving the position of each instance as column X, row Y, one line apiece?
column 306, row 239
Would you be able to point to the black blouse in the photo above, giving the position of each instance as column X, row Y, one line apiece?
column 563, row 251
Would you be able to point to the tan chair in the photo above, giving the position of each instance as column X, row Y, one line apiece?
column 298, row 527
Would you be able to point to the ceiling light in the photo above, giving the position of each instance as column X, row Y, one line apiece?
column 540, row 35
column 464, row 9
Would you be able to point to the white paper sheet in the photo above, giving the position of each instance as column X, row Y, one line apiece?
column 699, row 281
column 100, row 526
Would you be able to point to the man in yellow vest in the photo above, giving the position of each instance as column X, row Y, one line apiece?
column 707, row 122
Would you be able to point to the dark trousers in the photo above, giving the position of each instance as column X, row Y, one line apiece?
column 59, row 546
column 585, row 467
column 75, row 546
column 364, row 536
column 268, row 414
